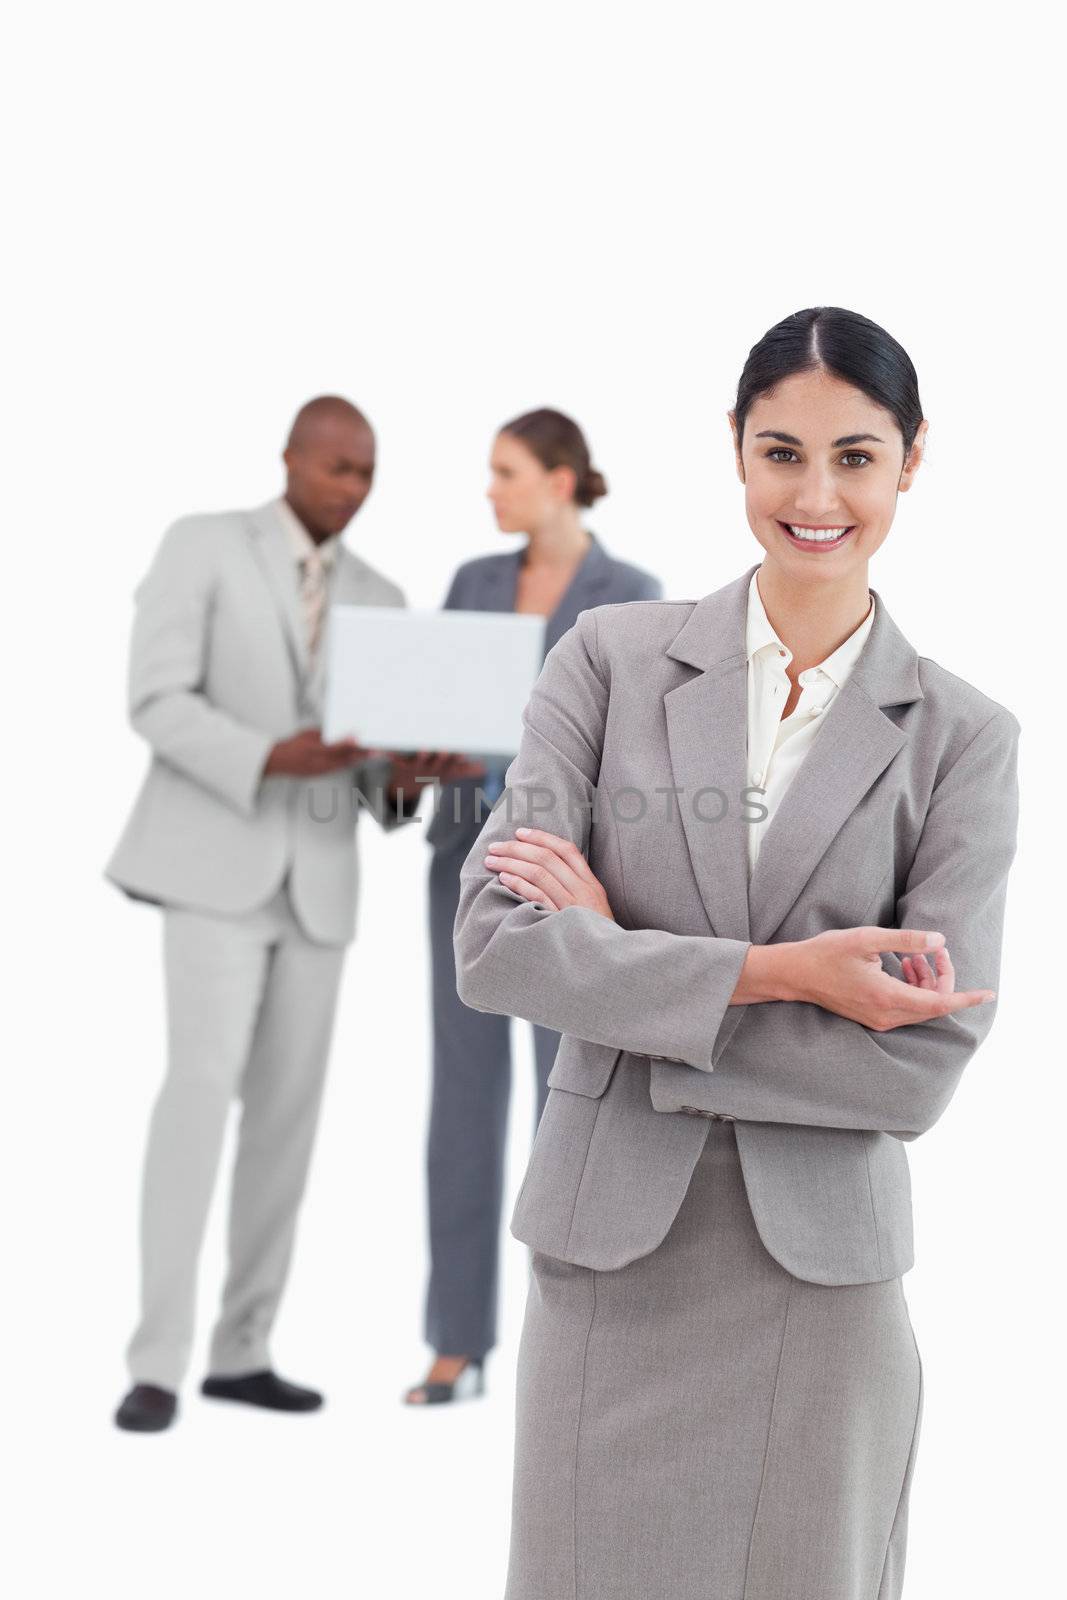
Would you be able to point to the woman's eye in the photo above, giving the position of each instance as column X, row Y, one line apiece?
column 853, row 457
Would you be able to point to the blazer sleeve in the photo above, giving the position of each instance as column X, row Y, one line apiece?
column 644, row 989
column 791, row 1061
column 167, row 705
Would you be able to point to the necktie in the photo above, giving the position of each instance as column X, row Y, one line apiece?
column 313, row 596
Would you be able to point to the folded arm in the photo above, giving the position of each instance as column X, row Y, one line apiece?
column 791, row 1061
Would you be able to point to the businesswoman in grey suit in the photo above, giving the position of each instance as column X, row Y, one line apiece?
column 542, row 483
column 719, row 1388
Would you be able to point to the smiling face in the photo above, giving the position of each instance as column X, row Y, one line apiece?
column 330, row 472
column 525, row 495
column 821, row 458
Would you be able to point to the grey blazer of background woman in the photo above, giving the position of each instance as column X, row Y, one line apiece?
column 903, row 814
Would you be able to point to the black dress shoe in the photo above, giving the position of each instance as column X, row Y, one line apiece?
column 263, row 1389
column 147, row 1409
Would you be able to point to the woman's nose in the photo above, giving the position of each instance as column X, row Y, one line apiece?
column 815, row 495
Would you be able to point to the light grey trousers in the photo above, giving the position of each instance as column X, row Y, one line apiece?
column 250, row 1011
column 702, row 1425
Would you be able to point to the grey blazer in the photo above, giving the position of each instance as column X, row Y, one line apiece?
column 219, row 671
column 488, row 583
column 903, row 814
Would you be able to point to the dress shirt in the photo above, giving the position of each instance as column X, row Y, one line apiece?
column 776, row 747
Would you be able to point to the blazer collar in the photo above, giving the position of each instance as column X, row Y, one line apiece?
column 707, row 729
column 590, row 586
column 273, row 547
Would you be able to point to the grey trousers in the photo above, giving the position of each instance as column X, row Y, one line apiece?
column 250, row 1011
column 467, row 1138
column 702, row 1425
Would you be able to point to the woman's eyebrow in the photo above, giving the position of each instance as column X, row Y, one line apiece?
column 838, row 444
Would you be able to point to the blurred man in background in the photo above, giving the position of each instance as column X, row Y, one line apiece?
column 244, row 833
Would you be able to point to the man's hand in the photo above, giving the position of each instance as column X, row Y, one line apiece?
column 440, row 766
column 542, row 866
column 305, row 756
column 841, row 970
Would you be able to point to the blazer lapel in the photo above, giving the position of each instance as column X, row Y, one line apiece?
column 707, row 729
column 589, row 586
column 496, row 581
column 852, row 748
column 273, row 551
column 707, row 733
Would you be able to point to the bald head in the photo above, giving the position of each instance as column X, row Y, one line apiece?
column 329, row 459
column 325, row 412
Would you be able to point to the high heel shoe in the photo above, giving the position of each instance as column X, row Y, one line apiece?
column 469, row 1383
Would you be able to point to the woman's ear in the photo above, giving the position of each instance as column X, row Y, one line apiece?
column 914, row 461
column 732, row 419
column 564, row 481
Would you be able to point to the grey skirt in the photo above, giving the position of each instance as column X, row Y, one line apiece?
column 702, row 1425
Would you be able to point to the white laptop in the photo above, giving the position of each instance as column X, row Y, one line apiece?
column 403, row 679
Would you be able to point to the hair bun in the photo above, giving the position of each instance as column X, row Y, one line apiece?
column 557, row 441
column 593, row 487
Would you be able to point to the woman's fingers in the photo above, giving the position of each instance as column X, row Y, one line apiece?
column 893, row 940
column 941, row 979
column 945, row 981
column 566, row 849
column 554, row 867
column 544, row 892
column 537, row 863
column 543, row 883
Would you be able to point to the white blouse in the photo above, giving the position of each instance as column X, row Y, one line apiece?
column 776, row 747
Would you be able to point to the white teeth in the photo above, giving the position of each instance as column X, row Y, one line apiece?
column 816, row 535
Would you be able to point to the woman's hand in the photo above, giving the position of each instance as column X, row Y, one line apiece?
column 542, row 866
column 841, row 970
column 940, row 980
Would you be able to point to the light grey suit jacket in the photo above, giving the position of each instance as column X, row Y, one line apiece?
column 219, row 672
column 903, row 814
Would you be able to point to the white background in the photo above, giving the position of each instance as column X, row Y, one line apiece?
column 451, row 213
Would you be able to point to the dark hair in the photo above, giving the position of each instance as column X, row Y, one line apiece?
column 557, row 441
column 842, row 342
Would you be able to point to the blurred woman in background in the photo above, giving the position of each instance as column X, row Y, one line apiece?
column 542, row 482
